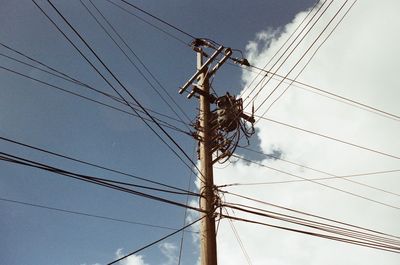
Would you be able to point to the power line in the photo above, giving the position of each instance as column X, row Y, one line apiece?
column 159, row 19
column 341, row 239
column 309, row 214
column 70, row 79
column 323, row 92
column 133, row 63
column 312, row 56
column 185, row 215
column 319, row 183
column 90, row 179
column 332, row 176
column 369, row 237
column 280, row 48
column 131, row 95
column 121, row 85
column 154, row 242
column 90, row 164
column 239, row 240
column 287, row 49
column 304, row 54
column 328, row 137
column 149, row 23
column 163, row 123
column 292, row 51
column 303, row 180
column 41, row 206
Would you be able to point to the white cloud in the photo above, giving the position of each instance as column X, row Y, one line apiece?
column 131, row 260
column 359, row 61
column 170, row 251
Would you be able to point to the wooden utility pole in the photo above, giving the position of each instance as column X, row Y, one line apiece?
column 206, row 135
column 207, row 201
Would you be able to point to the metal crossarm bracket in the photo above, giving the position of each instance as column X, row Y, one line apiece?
column 201, row 70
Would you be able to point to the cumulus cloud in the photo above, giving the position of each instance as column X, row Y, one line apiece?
column 131, row 260
column 358, row 61
column 170, row 251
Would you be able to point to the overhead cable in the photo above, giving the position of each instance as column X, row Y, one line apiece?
column 90, row 179
column 155, row 242
column 329, row 137
column 134, row 64
column 318, row 183
column 102, row 217
column 163, row 123
column 301, row 58
column 90, row 164
column 310, row 214
column 121, row 85
column 311, row 57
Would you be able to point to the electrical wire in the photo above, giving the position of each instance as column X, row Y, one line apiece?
column 287, row 49
column 309, row 214
column 90, row 179
column 133, row 98
column 238, row 239
column 149, row 23
column 163, row 123
column 154, row 242
column 341, row 239
column 292, row 51
column 159, row 19
column 189, row 187
column 318, row 183
column 121, row 85
column 90, row 164
column 322, row 92
column 102, row 217
column 70, row 79
column 301, row 58
column 328, row 137
column 314, row 224
column 311, row 57
column 332, row 176
column 139, row 60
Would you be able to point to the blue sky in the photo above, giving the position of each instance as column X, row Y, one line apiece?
column 39, row 115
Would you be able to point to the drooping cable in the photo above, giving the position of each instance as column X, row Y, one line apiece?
column 309, row 214
column 336, row 238
column 326, row 227
column 311, row 57
column 134, row 64
column 121, row 85
column 323, row 92
column 318, row 183
column 159, row 19
column 329, row 137
column 149, row 23
column 287, row 48
column 154, row 242
column 163, row 123
column 301, row 58
column 189, row 187
column 90, row 179
column 238, row 239
column 331, row 176
column 79, row 213
column 90, row 164
column 68, row 78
